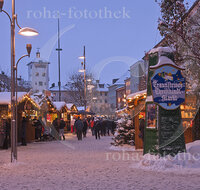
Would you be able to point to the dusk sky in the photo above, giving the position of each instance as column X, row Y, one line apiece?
column 116, row 33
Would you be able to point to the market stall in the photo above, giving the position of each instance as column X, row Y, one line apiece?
column 26, row 107
column 136, row 105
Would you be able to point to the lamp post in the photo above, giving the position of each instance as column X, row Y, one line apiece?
column 25, row 32
column 84, row 70
column 59, row 49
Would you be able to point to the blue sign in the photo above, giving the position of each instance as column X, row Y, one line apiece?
column 168, row 87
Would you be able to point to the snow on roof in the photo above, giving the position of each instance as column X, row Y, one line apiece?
column 122, row 79
column 56, row 88
column 121, row 110
column 136, row 94
column 39, row 60
column 5, row 97
column 59, row 105
column 38, row 97
column 69, row 105
column 149, row 99
column 163, row 60
column 102, row 87
column 119, row 87
column 81, row 108
column 161, row 49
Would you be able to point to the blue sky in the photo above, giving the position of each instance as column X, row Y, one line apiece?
column 113, row 30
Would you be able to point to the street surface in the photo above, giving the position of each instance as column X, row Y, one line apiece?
column 83, row 165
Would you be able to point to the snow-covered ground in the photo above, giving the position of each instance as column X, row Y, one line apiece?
column 89, row 164
column 186, row 162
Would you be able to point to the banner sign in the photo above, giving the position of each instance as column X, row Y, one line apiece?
column 168, row 87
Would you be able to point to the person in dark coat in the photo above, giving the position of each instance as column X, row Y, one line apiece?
column 85, row 127
column 97, row 129
column 7, row 126
column 24, row 131
column 38, row 128
column 62, row 125
column 79, row 128
column 103, row 127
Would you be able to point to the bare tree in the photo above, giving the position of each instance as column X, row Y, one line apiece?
column 75, row 88
column 181, row 31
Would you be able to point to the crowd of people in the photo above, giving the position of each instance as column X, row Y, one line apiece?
column 99, row 127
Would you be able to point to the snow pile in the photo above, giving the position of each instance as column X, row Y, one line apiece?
column 189, row 160
column 122, row 148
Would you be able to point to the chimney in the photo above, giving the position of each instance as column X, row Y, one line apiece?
column 114, row 81
column 53, row 85
column 38, row 54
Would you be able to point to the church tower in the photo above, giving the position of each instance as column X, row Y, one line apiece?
column 38, row 74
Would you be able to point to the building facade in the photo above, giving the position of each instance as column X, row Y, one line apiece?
column 121, row 97
column 138, row 73
column 38, row 74
column 64, row 92
column 99, row 103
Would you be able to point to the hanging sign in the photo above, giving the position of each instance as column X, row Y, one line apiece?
column 168, row 87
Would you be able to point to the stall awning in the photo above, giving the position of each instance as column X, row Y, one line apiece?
column 136, row 95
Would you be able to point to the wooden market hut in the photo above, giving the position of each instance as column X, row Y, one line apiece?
column 189, row 114
column 48, row 110
column 62, row 110
column 136, row 106
column 26, row 107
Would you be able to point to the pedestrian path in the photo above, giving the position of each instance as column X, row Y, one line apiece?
column 89, row 165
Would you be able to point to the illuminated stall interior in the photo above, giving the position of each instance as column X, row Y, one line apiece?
column 136, row 105
column 188, row 113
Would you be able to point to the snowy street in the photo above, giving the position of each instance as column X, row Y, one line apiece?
column 88, row 164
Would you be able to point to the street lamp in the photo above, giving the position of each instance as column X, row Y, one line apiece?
column 25, row 32
column 28, row 49
column 28, row 32
column 84, row 70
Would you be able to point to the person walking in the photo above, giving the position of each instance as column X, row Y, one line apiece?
column 79, row 128
column 72, row 124
column 97, row 128
column 92, row 126
column 85, row 127
column 24, row 131
column 61, row 125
